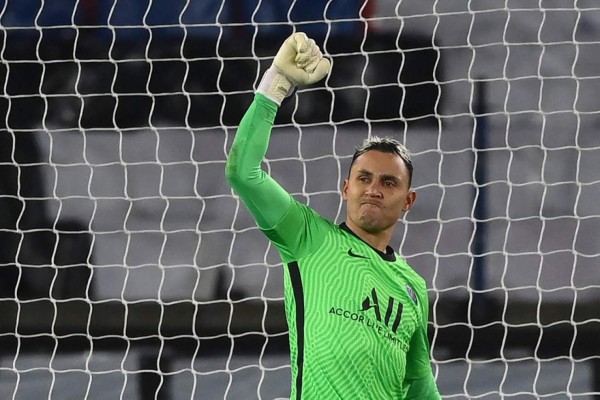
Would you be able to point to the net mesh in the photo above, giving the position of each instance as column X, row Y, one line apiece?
column 129, row 269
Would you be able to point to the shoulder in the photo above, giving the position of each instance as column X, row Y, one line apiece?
column 414, row 281
column 300, row 232
column 312, row 218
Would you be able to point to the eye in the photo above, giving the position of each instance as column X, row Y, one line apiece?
column 389, row 183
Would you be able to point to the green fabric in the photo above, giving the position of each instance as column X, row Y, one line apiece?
column 357, row 317
column 265, row 199
column 365, row 319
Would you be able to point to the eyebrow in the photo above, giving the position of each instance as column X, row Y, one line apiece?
column 391, row 177
column 384, row 176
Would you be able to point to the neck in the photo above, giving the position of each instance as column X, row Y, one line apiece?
column 378, row 240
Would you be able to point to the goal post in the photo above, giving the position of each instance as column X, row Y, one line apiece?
column 129, row 268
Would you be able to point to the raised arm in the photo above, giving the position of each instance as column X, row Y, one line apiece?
column 265, row 199
column 298, row 62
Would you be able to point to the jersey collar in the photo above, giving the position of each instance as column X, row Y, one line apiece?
column 389, row 254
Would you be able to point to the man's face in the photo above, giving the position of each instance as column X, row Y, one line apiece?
column 377, row 191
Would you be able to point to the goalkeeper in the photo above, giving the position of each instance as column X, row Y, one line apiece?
column 357, row 312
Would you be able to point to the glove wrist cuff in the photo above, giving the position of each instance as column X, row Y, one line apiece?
column 275, row 85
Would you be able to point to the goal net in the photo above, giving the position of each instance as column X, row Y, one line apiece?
column 129, row 269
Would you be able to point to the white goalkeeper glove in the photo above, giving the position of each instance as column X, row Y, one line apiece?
column 298, row 62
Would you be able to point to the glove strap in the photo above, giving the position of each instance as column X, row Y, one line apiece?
column 275, row 85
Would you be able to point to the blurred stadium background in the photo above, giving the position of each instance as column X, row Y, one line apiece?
column 129, row 270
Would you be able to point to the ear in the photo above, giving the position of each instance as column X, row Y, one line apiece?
column 345, row 189
column 411, row 197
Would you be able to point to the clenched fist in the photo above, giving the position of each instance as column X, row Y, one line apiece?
column 298, row 62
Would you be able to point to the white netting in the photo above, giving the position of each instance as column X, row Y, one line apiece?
column 128, row 268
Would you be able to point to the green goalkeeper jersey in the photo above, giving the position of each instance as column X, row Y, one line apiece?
column 357, row 317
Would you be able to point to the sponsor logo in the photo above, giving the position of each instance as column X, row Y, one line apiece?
column 353, row 254
column 382, row 318
column 394, row 307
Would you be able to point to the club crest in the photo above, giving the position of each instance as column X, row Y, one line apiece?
column 412, row 294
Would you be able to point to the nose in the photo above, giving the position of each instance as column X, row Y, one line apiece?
column 374, row 190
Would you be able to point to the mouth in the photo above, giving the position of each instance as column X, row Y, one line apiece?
column 371, row 203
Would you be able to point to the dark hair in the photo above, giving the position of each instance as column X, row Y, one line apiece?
column 385, row 145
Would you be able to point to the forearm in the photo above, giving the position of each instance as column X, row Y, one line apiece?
column 264, row 198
